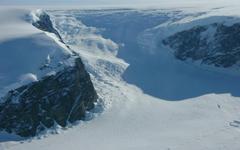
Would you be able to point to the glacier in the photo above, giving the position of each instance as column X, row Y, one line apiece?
column 151, row 99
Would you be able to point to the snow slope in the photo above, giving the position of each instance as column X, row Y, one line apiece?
column 207, row 117
column 25, row 51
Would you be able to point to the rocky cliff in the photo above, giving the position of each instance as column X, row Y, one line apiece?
column 60, row 98
column 42, row 21
column 216, row 44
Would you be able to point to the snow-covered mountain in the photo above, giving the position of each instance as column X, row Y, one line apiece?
column 43, row 83
column 152, row 98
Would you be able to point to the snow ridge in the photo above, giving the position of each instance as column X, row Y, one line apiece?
column 39, row 54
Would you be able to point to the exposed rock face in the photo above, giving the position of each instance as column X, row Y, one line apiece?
column 215, row 44
column 44, row 23
column 59, row 98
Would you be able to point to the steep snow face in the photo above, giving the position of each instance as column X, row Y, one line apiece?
column 26, row 51
column 97, row 52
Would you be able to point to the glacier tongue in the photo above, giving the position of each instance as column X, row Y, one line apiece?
column 152, row 65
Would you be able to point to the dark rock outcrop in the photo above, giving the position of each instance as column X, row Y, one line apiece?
column 215, row 44
column 44, row 23
column 59, row 98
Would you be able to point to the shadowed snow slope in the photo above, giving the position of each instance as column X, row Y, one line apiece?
column 109, row 41
column 25, row 51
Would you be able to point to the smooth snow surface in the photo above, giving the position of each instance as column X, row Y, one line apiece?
column 25, row 51
column 119, row 47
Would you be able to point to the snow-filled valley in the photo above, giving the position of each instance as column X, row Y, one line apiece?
column 151, row 100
